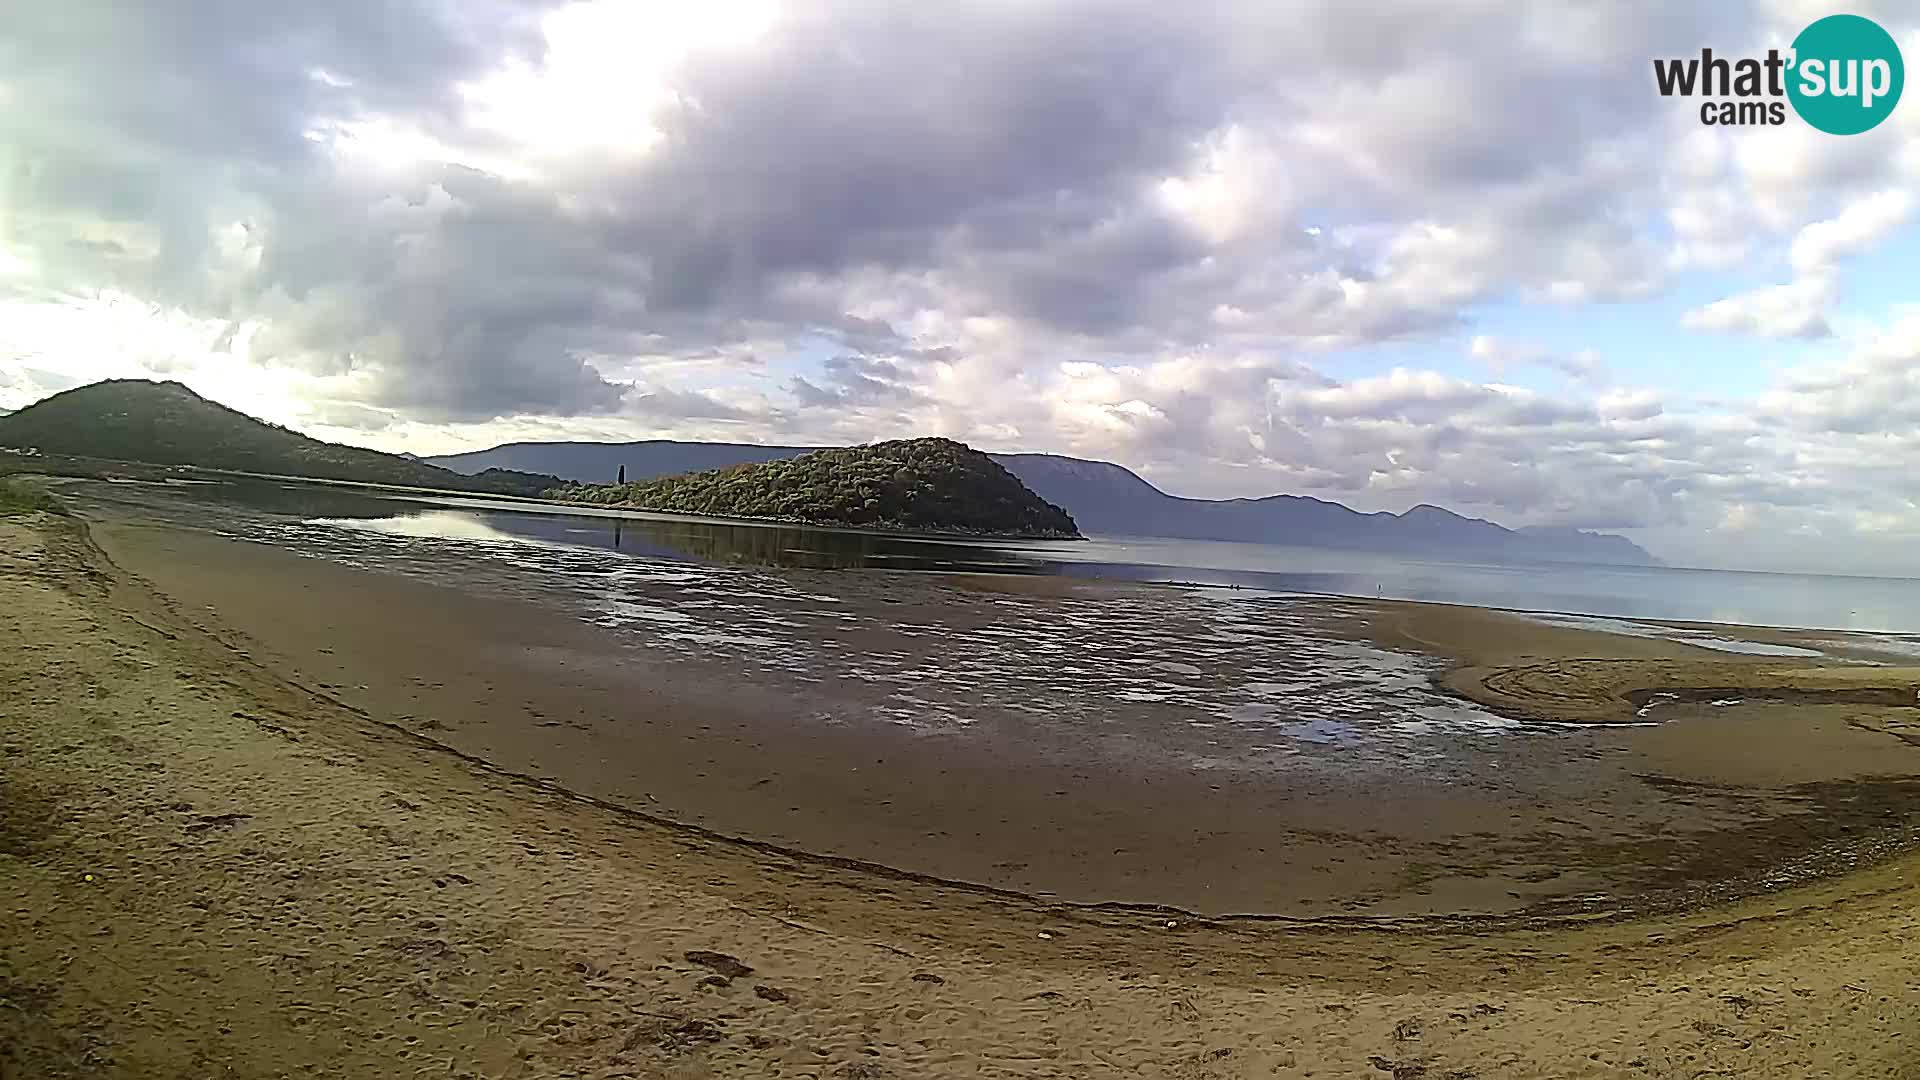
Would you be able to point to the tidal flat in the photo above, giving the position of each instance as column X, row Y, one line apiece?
column 1210, row 750
column 265, row 813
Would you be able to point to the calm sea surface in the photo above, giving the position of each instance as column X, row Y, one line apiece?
column 1878, row 605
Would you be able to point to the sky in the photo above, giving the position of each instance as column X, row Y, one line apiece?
column 1383, row 253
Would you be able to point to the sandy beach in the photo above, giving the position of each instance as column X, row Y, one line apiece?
column 268, row 816
column 1103, row 777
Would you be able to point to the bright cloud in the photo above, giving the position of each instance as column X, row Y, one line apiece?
column 1426, row 265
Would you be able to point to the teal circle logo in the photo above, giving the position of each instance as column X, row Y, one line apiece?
column 1847, row 74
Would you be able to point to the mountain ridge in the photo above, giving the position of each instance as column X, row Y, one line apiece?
column 1107, row 498
column 166, row 423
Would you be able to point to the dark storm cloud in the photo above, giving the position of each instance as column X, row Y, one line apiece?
column 865, row 129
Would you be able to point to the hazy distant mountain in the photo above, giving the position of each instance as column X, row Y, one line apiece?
column 164, row 423
column 1105, row 498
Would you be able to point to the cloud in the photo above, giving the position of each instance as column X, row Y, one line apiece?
column 473, row 205
column 1874, row 391
column 1796, row 310
column 1168, row 236
column 1858, row 227
column 1503, row 354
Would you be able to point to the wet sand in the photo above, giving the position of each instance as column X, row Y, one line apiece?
column 213, row 870
column 1130, row 810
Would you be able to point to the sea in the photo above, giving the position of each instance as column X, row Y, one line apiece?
column 1602, row 595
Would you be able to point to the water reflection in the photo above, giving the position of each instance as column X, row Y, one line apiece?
column 640, row 534
column 431, row 524
column 697, row 541
column 1797, row 600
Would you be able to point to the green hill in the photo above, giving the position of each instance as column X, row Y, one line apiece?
column 164, row 423
column 913, row 485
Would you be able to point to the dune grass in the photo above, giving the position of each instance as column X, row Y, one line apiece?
column 19, row 495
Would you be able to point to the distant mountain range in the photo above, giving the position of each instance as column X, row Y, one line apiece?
column 1105, row 498
column 164, row 423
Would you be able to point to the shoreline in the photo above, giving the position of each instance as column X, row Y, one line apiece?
column 1784, row 633
column 878, row 529
column 1105, row 810
column 101, row 468
column 521, row 931
column 1791, row 869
